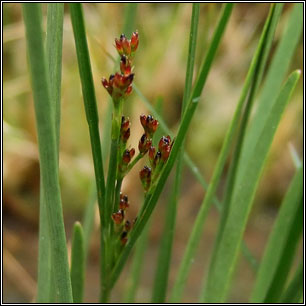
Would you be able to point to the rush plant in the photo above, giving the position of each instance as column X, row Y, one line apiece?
column 248, row 138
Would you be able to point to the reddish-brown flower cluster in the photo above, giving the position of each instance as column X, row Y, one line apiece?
column 119, row 85
column 157, row 160
column 149, row 125
column 123, row 226
column 126, row 46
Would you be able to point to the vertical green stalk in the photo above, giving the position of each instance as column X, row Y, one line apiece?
column 47, row 150
column 90, row 104
column 54, row 38
column 110, row 194
column 275, row 12
column 163, row 265
column 113, row 158
column 129, row 18
column 194, row 239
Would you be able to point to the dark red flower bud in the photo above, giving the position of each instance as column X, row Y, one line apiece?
column 126, row 135
column 128, row 155
column 145, row 177
column 118, row 216
column 157, row 158
column 127, row 225
column 128, row 90
column 107, row 86
column 124, row 202
column 125, row 66
column 149, row 124
column 151, row 153
column 164, row 147
column 125, row 129
column 144, row 144
column 143, row 120
column 118, row 46
column 134, row 41
column 123, row 237
column 126, row 46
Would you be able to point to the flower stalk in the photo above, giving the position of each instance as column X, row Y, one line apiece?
column 122, row 157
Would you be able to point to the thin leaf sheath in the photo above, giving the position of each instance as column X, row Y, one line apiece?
column 47, row 149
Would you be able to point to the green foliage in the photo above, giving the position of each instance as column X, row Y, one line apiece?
column 281, row 246
column 248, row 139
column 226, row 254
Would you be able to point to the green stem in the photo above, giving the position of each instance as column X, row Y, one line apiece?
column 117, row 194
column 47, row 150
column 164, row 259
column 113, row 159
column 90, row 104
column 134, row 162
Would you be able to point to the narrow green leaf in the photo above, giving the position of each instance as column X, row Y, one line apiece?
column 47, row 150
column 268, row 31
column 54, row 45
column 77, row 270
column 45, row 286
column 294, row 292
column 280, row 278
column 89, row 216
column 226, row 255
column 164, row 259
column 189, row 112
column 137, row 264
column 278, row 239
column 274, row 79
column 89, row 99
column 54, row 38
column 90, row 104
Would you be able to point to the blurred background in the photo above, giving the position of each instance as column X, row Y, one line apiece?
column 160, row 65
